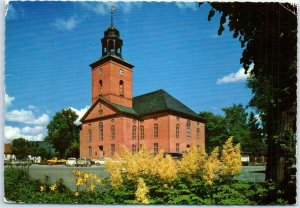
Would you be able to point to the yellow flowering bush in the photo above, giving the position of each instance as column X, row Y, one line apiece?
column 85, row 181
column 114, row 168
column 141, row 192
column 211, row 167
column 231, row 158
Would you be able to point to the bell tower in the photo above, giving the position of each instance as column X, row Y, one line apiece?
column 111, row 74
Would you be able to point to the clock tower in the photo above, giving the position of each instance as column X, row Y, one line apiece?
column 111, row 74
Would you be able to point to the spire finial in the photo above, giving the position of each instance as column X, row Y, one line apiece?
column 112, row 12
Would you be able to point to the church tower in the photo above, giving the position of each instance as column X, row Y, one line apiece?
column 111, row 74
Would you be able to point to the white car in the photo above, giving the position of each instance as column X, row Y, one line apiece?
column 71, row 162
column 98, row 162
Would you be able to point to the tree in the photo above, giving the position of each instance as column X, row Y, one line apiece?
column 62, row 131
column 268, row 34
column 236, row 124
column 215, row 131
column 20, row 148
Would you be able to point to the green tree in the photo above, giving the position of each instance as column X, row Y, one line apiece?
column 20, row 148
column 268, row 34
column 62, row 131
column 236, row 124
column 215, row 131
column 256, row 143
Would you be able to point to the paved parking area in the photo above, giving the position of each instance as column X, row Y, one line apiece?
column 55, row 172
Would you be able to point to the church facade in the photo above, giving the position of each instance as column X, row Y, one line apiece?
column 156, row 120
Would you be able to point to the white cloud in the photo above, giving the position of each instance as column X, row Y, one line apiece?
column 67, row 24
column 36, row 133
column 26, row 117
column 234, row 77
column 80, row 113
column 32, row 107
column 187, row 5
column 8, row 100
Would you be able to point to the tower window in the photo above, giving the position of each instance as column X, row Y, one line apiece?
column 113, row 133
column 134, row 132
column 101, row 131
column 198, row 133
column 100, row 71
column 155, row 129
column 121, row 88
column 100, row 87
column 121, row 71
column 142, row 132
column 177, row 130
column 188, row 129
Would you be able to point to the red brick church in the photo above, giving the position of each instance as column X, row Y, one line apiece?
column 154, row 120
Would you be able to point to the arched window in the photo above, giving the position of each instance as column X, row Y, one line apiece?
column 188, row 129
column 155, row 129
column 121, row 88
column 113, row 133
column 134, row 132
column 177, row 130
column 198, row 133
column 100, row 87
column 101, row 131
column 142, row 132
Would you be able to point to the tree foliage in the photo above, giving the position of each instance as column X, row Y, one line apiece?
column 63, row 134
column 268, row 34
column 20, row 148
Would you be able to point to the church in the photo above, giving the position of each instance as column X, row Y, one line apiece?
column 155, row 120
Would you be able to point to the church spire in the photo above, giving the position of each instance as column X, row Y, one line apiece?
column 111, row 15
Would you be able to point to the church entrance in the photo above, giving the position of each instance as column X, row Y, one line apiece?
column 101, row 152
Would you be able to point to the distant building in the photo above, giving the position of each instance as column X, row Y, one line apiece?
column 155, row 120
column 8, row 152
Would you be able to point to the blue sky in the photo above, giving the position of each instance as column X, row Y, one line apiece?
column 49, row 46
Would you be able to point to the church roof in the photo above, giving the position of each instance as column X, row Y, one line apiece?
column 161, row 101
column 151, row 103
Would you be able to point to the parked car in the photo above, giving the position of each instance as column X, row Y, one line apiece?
column 56, row 161
column 21, row 162
column 83, row 162
column 71, row 162
column 98, row 162
column 174, row 155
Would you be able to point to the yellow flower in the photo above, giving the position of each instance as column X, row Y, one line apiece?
column 79, row 181
column 114, row 168
column 98, row 180
column 86, row 176
column 42, row 188
column 53, row 187
column 141, row 192
column 211, row 167
column 231, row 158
column 76, row 194
column 92, row 187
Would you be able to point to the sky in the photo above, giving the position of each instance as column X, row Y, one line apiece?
column 172, row 45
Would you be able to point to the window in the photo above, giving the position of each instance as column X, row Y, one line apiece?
column 90, row 134
column 101, row 131
column 112, row 132
column 155, row 131
column 90, row 151
column 121, row 71
column 177, row 130
column 133, row 148
column 121, row 88
column 134, row 132
column 177, row 147
column 188, row 129
column 198, row 133
column 142, row 132
column 113, row 149
column 100, row 71
column 100, row 87
column 155, row 148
